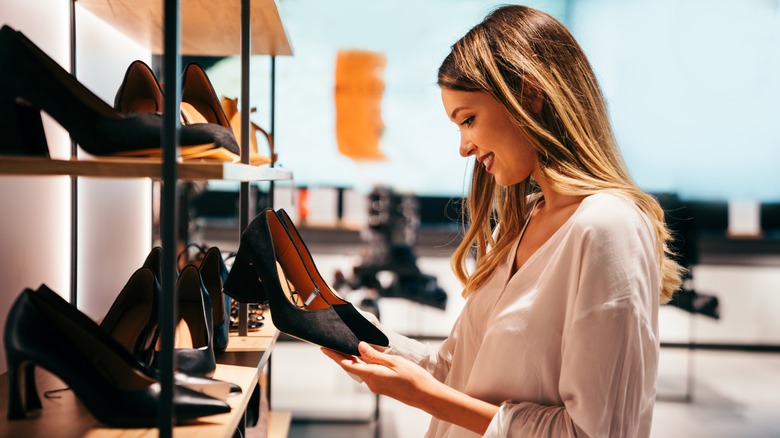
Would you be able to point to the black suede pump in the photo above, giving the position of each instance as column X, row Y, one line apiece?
column 200, row 104
column 195, row 310
column 44, row 330
column 214, row 273
column 30, row 81
column 132, row 318
column 363, row 329
column 266, row 253
column 140, row 91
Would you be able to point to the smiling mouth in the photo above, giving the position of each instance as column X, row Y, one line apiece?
column 487, row 161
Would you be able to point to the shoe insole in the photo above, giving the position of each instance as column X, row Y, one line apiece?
column 184, row 151
column 192, row 316
column 198, row 112
column 141, row 105
column 293, row 296
column 130, row 326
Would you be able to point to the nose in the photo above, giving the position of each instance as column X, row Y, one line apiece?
column 467, row 148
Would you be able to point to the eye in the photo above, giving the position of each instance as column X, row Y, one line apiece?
column 468, row 121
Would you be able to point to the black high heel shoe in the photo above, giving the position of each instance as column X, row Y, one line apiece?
column 194, row 305
column 44, row 330
column 214, row 273
column 200, row 105
column 363, row 329
column 31, row 80
column 132, row 318
column 140, row 91
column 265, row 254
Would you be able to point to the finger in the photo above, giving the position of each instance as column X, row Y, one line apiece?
column 370, row 354
column 336, row 355
column 349, row 363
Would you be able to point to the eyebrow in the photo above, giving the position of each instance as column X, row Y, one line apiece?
column 456, row 111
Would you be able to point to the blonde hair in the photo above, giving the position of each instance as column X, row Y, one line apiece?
column 513, row 54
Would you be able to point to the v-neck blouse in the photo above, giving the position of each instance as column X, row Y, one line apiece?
column 568, row 344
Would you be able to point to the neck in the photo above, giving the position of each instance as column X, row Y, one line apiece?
column 553, row 200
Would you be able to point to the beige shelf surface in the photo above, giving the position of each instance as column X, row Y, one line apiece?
column 66, row 416
column 253, row 349
column 108, row 167
column 279, row 424
column 208, row 28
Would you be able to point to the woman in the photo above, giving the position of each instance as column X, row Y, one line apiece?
column 559, row 333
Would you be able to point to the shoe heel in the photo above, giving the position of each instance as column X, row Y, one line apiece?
column 22, row 391
column 243, row 283
column 31, row 400
column 23, row 129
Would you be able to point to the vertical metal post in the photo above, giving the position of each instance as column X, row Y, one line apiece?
column 74, row 181
column 691, row 367
column 272, row 125
column 271, row 195
column 243, row 196
column 169, row 210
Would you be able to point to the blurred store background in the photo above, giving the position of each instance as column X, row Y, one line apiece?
column 693, row 90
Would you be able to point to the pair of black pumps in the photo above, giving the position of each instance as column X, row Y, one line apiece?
column 31, row 82
column 44, row 330
column 273, row 264
column 111, row 366
column 141, row 92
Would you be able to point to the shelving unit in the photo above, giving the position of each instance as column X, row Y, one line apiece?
column 216, row 28
column 139, row 168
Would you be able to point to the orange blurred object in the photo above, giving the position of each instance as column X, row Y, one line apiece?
column 303, row 204
column 359, row 89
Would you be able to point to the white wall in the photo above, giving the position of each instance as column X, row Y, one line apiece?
column 114, row 225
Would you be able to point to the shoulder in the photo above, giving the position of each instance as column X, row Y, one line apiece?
column 611, row 214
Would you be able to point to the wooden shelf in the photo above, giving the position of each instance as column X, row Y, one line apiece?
column 66, row 416
column 107, row 167
column 279, row 424
column 208, row 28
column 253, row 349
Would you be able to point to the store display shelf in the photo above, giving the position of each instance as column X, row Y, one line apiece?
column 208, row 28
column 254, row 349
column 109, row 167
column 66, row 416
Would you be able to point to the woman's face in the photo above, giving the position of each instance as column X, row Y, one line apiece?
column 488, row 132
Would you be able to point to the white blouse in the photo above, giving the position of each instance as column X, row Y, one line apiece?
column 568, row 345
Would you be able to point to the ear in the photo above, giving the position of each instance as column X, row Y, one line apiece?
column 536, row 98
column 532, row 97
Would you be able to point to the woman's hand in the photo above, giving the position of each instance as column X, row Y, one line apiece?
column 409, row 383
column 389, row 375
